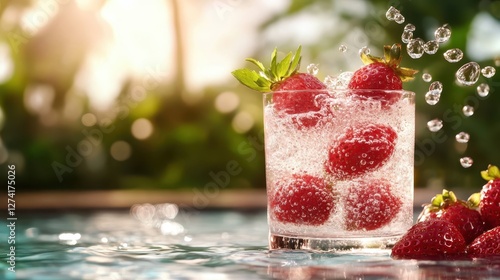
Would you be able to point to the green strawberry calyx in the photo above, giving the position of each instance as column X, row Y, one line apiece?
column 444, row 200
column 266, row 79
column 491, row 173
column 392, row 58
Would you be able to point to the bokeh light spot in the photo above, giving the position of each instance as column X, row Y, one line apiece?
column 89, row 119
column 142, row 129
column 243, row 122
column 121, row 150
column 227, row 102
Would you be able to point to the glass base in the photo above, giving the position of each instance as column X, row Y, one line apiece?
column 350, row 245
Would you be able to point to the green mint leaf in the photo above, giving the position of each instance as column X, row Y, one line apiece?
column 256, row 62
column 251, row 79
column 272, row 69
column 284, row 65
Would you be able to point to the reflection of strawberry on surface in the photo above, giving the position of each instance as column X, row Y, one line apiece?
column 370, row 205
column 303, row 200
column 285, row 76
column 362, row 149
column 381, row 74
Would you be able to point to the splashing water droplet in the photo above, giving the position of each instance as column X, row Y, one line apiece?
column 391, row 13
column 468, row 110
column 443, row 33
column 483, row 90
column 435, row 125
column 462, row 137
column 415, row 48
column 399, row 18
column 313, row 69
column 453, row 55
column 329, row 81
column 432, row 97
column 427, row 77
column 342, row 48
column 437, row 86
column 468, row 74
column 409, row 27
column 366, row 50
column 406, row 36
column 466, row 162
column 488, row 71
column 431, row 47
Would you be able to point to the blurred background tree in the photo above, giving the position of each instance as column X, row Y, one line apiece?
column 110, row 94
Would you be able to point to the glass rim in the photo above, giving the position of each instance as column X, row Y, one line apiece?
column 389, row 91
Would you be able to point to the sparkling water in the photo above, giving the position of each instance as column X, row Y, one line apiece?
column 292, row 148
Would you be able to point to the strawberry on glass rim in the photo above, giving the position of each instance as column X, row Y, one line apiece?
column 285, row 76
column 381, row 74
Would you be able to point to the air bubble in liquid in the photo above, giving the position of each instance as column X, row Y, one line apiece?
column 468, row 110
column 443, row 33
column 427, row 77
column 435, row 125
column 312, row 69
column 466, row 162
column 468, row 74
column 406, row 36
column 431, row 47
column 462, row 137
column 488, row 71
column 342, row 48
column 432, row 97
column 483, row 90
column 415, row 48
column 453, row 55
column 391, row 13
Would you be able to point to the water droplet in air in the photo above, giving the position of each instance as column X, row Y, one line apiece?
column 406, row 36
column 488, row 71
column 453, row 55
column 329, row 81
column 435, row 125
column 431, row 47
column 365, row 50
column 466, row 162
column 399, row 18
column 409, row 27
column 462, row 137
column 437, row 86
column 415, row 48
column 483, row 90
column 312, row 69
column 443, row 33
column 468, row 74
column 427, row 77
column 391, row 13
column 342, row 48
column 432, row 97
column 468, row 110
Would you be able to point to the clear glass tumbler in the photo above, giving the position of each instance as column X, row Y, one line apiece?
column 339, row 168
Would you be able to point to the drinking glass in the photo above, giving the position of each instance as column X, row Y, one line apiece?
column 339, row 168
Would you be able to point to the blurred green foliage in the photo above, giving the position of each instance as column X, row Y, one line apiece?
column 193, row 143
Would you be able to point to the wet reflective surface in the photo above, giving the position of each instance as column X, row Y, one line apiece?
column 162, row 242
